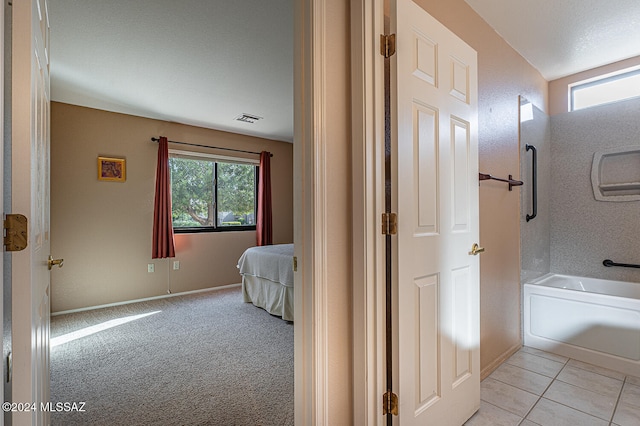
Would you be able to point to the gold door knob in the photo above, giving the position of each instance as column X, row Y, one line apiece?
column 476, row 249
column 51, row 262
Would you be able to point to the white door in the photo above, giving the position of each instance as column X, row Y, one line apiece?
column 30, row 197
column 436, row 182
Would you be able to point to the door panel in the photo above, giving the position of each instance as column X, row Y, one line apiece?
column 436, row 182
column 460, row 141
column 427, row 353
column 426, row 179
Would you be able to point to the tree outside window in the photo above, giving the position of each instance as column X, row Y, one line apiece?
column 212, row 195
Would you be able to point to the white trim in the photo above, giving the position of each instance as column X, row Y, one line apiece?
column 303, row 385
column 144, row 299
column 222, row 158
column 320, row 315
column 367, row 66
column 310, row 319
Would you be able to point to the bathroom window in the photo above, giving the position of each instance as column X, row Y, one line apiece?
column 605, row 89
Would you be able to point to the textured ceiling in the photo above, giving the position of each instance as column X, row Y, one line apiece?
column 562, row 37
column 204, row 62
column 197, row 62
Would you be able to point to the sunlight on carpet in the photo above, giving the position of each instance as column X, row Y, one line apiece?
column 88, row 331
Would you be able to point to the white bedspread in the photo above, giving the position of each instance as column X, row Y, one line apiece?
column 274, row 263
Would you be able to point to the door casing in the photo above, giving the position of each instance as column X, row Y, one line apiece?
column 367, row 95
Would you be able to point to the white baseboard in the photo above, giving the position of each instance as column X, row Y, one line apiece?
column 126, row 302
column 498, row 361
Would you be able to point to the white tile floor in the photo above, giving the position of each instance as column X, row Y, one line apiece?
column 540, row 388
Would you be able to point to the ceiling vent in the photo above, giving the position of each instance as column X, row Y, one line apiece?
column 248, row 118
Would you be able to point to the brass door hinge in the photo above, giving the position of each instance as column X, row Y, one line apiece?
column 390, row 403
column 15, row 232
column 387, row 45
column 295, row 264
column 389, row 224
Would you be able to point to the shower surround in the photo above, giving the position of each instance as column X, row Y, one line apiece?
column 584, row 231
column 574, row 233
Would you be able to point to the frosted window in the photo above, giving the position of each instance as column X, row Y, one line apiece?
column 605, row 90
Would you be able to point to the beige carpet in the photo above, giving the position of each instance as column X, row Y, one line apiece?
column 201, row 359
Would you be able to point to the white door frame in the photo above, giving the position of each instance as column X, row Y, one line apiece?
column 310, row 189
column 368, row 250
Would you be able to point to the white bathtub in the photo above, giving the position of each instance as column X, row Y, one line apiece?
column 591, row 320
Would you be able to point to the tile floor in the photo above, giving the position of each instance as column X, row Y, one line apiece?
column 540, row 388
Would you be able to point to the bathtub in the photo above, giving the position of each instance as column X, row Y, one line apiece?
column 591, row 320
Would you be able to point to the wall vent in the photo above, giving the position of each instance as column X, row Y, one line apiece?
column 248, row 118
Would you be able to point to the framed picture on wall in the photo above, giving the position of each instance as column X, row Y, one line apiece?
column 112, row 169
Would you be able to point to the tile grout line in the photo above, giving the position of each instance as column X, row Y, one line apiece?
column 579, row 411
column 589, row 389
column 503, row 408
column 553, row 379
column 570, row 384
column 618, row 400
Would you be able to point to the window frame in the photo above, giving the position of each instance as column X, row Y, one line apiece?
column 598, row 80
column 195, row 155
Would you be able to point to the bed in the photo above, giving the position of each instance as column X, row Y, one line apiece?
column 267, row 278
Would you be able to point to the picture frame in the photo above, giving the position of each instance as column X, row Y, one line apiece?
column 112, row 169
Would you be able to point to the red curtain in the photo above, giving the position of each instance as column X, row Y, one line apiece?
column 162, row 226
column 264, row 224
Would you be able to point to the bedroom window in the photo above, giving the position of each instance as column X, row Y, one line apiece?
column 210, row 193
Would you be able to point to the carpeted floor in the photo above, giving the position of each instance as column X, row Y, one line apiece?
column 200, row 359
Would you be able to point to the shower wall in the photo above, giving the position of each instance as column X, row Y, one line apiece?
column 535, row 251
column 584, row 231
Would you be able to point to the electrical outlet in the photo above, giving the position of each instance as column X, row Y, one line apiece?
column 151, row 267
column 176, row 265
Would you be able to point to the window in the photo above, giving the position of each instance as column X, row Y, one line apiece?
column 212, row 194
column 605, row 89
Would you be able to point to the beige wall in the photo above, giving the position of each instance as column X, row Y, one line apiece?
column 559, row 89
column 103, row 229
column 502, row 75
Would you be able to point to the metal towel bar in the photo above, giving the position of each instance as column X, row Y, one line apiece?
column 511, row 181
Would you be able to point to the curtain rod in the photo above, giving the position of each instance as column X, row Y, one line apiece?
column 212, row 147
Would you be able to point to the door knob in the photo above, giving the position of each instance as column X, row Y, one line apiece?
column 51, row 262
column 476, row 249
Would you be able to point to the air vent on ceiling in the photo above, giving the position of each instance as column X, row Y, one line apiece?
column 248, row 118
